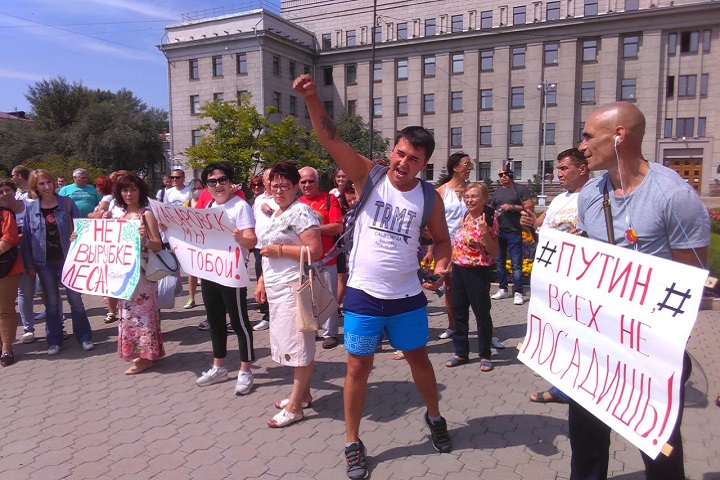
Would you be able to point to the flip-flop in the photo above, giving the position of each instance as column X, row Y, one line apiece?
column 486, row 366
column 139, row 366
column 284, row 418
column 284, row 402
column 552, row 397
column 398, row 355
column 456, row 361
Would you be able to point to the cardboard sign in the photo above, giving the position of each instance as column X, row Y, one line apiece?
column 203, row 241
column 104, row 259
column 608, row 326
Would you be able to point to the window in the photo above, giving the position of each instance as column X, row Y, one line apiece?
column 277, row 101
column 689, row 42
column 670, row 86
column 667, row 131
column 402, row 30
column 276, row 65
column 429, row 103
column 516, row 131
column 352, row 107
column 627, row 89
column 630, row 46
column 329, row 108
column 486, row 99
column 402, row 106
column 517, row 97
column 292, row 69
column 326, row 41
column 377, row 107
column 589, row 50
column 591, row 8
column 518, row 57
column 686, row 85
column 519, row 17
column 217, row 66
column 194, row 104
column 402, row 69
column 306, row 69
column 458, row 63
column 377, row 72
column 456, row 101
column 196, row 136
column 429, row 66
column 631, row 5
column 456, row 137
column 241, row 64
column 327, row 75
column 377, row 34
column 486, row 60
column 580, row 132
column 486, row 19
column 485, row 136
column 551, row 97
column 219, row 96
column 553, row 11
column 350, row 38
column 484, row 170
column 240, row 94
column 706, row 40
column 701, row 127
column 456, row 23
column 351, row 74
column 194, row 69
column 293, row 105
column 551, row 54
column 549, row 134
column 672, row 43
column 704, row 79
column 685, row 127
column 429, row 27
column 587, row 92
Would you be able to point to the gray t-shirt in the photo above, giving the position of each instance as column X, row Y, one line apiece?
column 665, row 212
column 514, row 195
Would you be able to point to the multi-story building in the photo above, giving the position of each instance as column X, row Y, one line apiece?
column 483, row 77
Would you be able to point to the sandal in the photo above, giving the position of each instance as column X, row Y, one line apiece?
column 284, row 418
column 284, row 402
column 551, row 395
column 398, row 355
column 456, row 361
column 110, row 318
column 139, row 366
column 486, row 365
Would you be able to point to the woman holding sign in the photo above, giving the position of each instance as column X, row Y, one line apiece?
column 47, row 227
column 293, row 225
column 139, row 336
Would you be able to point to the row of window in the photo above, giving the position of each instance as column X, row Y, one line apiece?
column 685, row 127
column 241, row 66
column 687, row 85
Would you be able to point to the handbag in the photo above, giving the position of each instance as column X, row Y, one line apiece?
column 314, row 300
column 159, row 265
column 167, row 291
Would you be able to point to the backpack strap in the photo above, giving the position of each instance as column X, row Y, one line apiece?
column 428, row 204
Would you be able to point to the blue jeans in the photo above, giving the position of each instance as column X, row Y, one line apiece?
column 49, row 276
column 510, row 246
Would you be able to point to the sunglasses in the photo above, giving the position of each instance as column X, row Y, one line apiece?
column 303, row 182
column 503, row 174
column 253, row 185
column 212, row 182
column 176, row 178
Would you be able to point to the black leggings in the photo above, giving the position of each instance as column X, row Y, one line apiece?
column 220, row 300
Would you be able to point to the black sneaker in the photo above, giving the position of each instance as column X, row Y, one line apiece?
column 355, row 457
column 440, row 438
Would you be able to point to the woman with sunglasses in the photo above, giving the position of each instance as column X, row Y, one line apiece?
column 292, row 226
column 221, row 301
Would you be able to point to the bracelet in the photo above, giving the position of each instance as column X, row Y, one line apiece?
column 280, row 252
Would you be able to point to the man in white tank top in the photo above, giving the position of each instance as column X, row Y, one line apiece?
column 384, row 292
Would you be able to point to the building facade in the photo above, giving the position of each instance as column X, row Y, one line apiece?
column 484, row 78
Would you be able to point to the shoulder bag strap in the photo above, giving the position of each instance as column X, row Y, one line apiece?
column 71, row 224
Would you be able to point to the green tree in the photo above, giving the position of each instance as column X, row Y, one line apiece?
column 61, row 166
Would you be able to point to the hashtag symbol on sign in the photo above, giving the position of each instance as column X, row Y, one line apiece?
column 546, row 249
column 671, row 291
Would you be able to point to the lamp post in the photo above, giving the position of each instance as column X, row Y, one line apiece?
column 544, row 87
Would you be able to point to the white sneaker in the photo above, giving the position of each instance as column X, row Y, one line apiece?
column 495, row 342
column 261, row 325
column 88, row 345
column 214, row 375
column 204, row 326
column 53, row 350
column 500, row 294
column 28, row 337
column 518, row 299
column 446, row 334
column 244, row 383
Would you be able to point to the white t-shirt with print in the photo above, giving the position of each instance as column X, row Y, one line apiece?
column 173, row 196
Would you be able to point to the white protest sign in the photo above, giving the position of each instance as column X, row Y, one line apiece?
column 608, row 326
column 104, row 258
column 203, row 241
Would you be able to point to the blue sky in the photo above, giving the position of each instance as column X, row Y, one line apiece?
column 105, row 44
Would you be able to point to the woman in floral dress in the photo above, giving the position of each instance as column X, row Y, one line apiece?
column 139, row 336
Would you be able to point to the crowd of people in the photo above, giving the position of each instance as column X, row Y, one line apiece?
column 473, row 233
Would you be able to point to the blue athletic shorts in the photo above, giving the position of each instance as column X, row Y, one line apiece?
column 405, row 331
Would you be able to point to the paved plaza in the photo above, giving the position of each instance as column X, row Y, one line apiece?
column 77, row 416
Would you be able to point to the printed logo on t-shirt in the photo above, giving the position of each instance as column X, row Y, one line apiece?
column 391, row 223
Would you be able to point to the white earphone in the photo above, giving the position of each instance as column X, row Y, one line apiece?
column 617, row 137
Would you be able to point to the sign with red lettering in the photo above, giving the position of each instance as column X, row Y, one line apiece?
column 608, row 326
column 203, row 241
column 104, row 258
